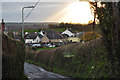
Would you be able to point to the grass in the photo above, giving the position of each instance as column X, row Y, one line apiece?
column 45, row 48
column 24, row 77
column 60, row 29
column 32, row 30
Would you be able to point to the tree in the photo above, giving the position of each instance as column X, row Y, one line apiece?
column 109, row 24
column 50, row 26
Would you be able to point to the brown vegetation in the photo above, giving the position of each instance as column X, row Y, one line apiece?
column 89, row 60
column 13, row 57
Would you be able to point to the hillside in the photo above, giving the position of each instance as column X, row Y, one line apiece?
column 88, row 60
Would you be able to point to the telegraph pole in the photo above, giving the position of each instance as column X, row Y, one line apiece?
column 23, row 18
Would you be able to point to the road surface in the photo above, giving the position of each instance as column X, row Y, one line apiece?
column 38, row 73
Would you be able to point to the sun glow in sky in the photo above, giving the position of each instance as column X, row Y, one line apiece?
column 79, row 12
column 71, row 12
column 76, row 12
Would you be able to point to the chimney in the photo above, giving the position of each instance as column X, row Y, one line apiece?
column 3, row 25
column 45, row 34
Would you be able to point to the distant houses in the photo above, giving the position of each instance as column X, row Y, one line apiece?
column 33, row 38
column 51, row 37
column 46, row 37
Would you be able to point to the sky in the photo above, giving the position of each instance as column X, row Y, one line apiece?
column 45, row 11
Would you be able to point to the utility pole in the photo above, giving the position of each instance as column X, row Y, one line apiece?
column 23, row 18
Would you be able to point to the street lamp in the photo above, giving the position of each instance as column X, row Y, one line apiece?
column 23, row 18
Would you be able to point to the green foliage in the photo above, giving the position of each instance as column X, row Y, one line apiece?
column 38, row 49
column 89, row 60
column 24, row 77
column 109, row 25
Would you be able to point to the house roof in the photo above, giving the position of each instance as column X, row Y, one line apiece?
column 55, row 36
column 68, row 32
column 50, row 32
column 71, row 30
column 65, row 35
column 41, row 32
column 40, row 36
column 16, row 37
column 31, row 36
column 32, row 32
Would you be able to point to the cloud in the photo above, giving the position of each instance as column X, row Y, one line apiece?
column 40, row 0
column 12, row 10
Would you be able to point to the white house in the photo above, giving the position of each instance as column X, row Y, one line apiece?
column 69, row 32
column 33, row 38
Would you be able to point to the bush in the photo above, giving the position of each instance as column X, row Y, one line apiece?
column 13, row 57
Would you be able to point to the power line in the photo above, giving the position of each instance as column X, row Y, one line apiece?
column 31, row 10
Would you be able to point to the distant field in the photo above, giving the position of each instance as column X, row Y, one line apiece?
column 57, row 29
column 33, row 30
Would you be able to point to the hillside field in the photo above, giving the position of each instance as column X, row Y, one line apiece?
column 88, row 60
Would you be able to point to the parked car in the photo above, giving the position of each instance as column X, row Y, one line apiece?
column 44, row 45
column 49, row 45
column 36, row 45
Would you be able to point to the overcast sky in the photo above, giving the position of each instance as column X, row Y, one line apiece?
column 12, row 11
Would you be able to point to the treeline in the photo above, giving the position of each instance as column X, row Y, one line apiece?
column 75, row 27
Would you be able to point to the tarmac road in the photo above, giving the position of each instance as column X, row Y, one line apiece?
column 38, row 73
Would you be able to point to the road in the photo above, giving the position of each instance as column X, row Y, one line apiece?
column 35, row 72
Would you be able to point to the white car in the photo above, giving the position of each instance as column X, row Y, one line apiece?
column 49, row 45
column 53, row 45
column 36, row 45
